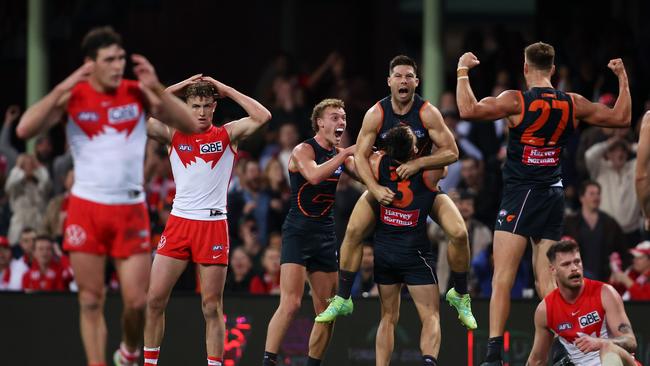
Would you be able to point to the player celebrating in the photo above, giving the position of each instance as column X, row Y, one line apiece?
column 403, row 253
column 587, row 316
column 107, row 215
column 308, row 237
column 540, row 122
column 197, row 228
column 403, row 106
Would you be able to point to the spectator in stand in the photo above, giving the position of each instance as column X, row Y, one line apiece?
column 23, row 254
column 239, row 272
column 465, row 147
column 44, row 152
column 6, row 148
column 5, row 264
column 251, row 199
column 364, row 284
column 480, row 236
column 268, row 282
column 56, row 211
column 608, row 164
column 597, row 233
column 634, row 283
column 277, row 187
column 250, row 242
column 486, row 193
column 288, row 138
column 46, row 274
column 28, row 187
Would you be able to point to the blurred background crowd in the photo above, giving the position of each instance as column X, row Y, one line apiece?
column 289, row 77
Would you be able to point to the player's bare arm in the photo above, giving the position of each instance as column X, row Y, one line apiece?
column 617, row 320
column 601, row 115
column 506, row 105
column 302, row 159
column 159, row 131
column 365, row 140
column 643, row 167
column 446, row 150
column 163, row 105
column 258, row 115
column 350, row 167
column 543, row 338
column 41, row 116
column 179, row 88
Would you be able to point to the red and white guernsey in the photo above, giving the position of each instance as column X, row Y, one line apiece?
column 107, row 137
column 202, row 165
column 570, row 321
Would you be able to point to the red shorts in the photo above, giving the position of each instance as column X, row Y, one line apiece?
column 205, row 242
column 119, row 231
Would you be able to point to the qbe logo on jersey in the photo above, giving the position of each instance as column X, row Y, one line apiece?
column 123, row 113
column 211, row 147
column 589, row 319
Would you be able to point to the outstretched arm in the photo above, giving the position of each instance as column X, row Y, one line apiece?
column 164, row 106
column 258, row 115
column 302, row 159
column 601, row 115
column 48, row 111
column 543, row 338
column 446, row 150
column 506, row 105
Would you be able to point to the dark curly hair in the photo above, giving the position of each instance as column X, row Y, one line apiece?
column 203, row 89
column 399, row 143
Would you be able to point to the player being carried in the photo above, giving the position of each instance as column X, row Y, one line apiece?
column 403, row 106
column 403, row 253
column 197, row 228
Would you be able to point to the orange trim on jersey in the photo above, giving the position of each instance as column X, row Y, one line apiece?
column 298, row 199
column 300, row 193
column 573, row 112
column 378, row 104
column 523, row 109
column 549, row 95
column 420, row 113
column 428, row 183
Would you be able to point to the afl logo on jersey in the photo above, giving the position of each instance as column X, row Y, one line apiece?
column 211, row 147
column 124, row 113
column 87, row 117
column 184, row 147
column 564, row 326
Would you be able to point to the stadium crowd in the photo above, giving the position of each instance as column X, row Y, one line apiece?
column 602, row 214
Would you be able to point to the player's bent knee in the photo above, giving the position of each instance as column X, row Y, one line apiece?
column 290, row 306
column 212, row 307
column 91, row 301
column 156, row 304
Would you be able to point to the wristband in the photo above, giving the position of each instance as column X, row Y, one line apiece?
column 462, row 71
column 462, row 77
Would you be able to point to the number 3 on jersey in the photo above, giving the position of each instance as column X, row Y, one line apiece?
column 528, row 137
column 403, row 188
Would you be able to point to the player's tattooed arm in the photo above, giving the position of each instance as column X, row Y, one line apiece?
column 622, row 334
column 626, row 340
